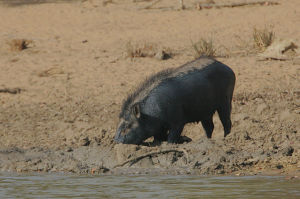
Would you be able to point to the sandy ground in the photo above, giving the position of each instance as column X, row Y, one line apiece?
column 61, row 96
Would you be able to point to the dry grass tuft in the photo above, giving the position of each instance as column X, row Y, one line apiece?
column 204, row 48
column 140, row 50
column 19, row 44
column 263, row 38
column 147, row 50
column 51, row 72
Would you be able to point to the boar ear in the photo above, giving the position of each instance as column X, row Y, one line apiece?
column 136, row 110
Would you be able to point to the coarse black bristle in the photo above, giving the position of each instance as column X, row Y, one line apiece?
column 162, row 76
column 147, row 83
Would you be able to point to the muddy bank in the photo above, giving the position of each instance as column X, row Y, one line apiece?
column 239, row 154
column 264, row 140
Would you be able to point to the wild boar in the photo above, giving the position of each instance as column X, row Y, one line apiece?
column 168, row 100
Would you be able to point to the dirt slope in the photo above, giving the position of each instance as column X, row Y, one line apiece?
column 75, row 72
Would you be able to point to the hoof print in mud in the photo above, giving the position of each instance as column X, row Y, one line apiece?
column 168, row 100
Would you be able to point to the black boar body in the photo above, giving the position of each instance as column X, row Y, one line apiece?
column 168, row 100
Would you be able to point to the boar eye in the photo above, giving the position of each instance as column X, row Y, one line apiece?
column 136, row 111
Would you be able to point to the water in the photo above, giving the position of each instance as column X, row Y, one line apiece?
column 70, row 186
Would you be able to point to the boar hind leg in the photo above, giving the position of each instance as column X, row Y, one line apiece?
column 174, row 134
column 208, row 126
column 224, row 114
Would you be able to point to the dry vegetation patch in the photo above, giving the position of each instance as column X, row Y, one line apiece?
column 260, row 41
column 51, row 72
column 263, row 38
column 134, row 50
column 10, row 90
column 204, row 48
column 19, row 44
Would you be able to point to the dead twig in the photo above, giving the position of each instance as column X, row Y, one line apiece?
column 152, row 4
column 181, row 4
column 138, row 1
column 10, row 90
column 232, row 5
column 157, row 1
column 136, row 159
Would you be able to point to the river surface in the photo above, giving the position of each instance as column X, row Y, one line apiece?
column 72, row 186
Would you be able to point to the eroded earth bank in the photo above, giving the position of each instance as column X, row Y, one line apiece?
column 65, row 69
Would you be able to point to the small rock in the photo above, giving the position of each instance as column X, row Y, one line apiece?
column 252, row 161
column 246, row 136
column 261, row 108
column 221, row 172
column 219, row 166
column 279, row 166
column 162, row 55
column 229, row 151
column 197, row 165
column 104, row 169
column 137, row 148
column 99, row 170
column 222, row 159
column 291, row 177
column 285, row 115
column 240, row 174
column 288, row 151
column 85, row 141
